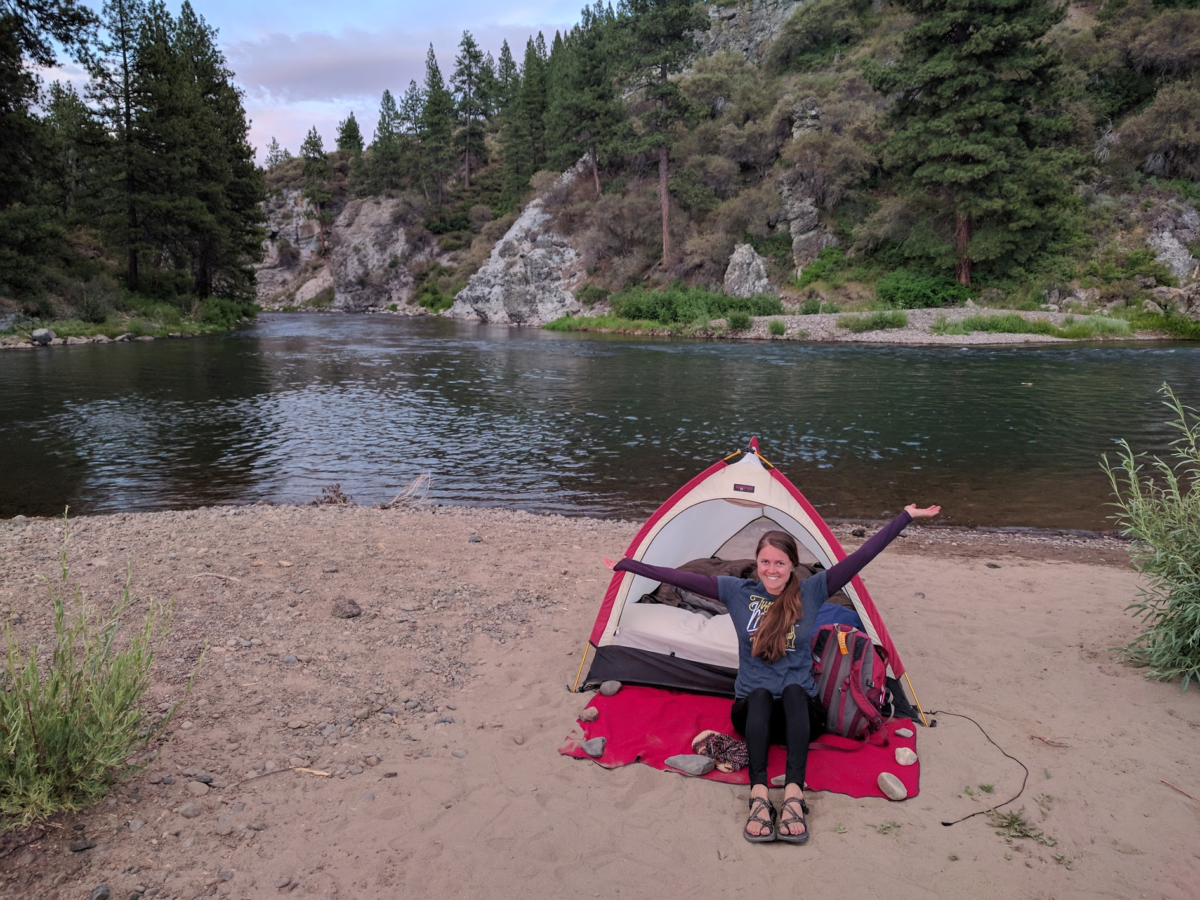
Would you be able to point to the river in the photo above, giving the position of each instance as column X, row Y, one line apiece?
column 576, row 424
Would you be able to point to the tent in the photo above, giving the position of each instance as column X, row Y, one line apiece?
column 721, row 512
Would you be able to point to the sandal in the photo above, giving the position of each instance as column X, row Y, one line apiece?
column 759, row 806
column 789, row 818
column 729, row 753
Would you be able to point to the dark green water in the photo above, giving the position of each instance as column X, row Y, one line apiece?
column 579, row 425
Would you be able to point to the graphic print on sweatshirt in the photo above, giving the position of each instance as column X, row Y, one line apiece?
column 758, row 608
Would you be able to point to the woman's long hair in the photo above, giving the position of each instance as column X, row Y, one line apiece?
column 769, row 643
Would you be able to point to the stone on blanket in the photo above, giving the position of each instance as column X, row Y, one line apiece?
column 691, row 763
column 904, row 732
column 589, row 714
column 905, row 756
column 779, row 781
column 892, row 786
column 609, row 688
column 594, row 747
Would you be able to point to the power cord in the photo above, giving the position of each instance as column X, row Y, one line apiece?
column 1024, row 781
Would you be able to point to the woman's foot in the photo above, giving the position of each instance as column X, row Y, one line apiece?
column 793, row 818
column 760, row 827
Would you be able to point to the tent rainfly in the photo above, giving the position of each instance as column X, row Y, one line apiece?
column 720, row 513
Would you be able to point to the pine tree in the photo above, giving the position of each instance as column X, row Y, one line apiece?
column 467, row 78
column 384, row 172
column 316, row 180
column 523, row 135
column 660, row 39
column 488, row 87
column 348, row 135
column 436, row 127
column 75, row 142
column 976, row 88
column 508, row 79
column 275, row 154
column 408, row 131
column 585, row 114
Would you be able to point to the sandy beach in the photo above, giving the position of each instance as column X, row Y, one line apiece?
column 438, row 713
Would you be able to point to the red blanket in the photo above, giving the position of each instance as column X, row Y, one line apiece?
column 647, row 725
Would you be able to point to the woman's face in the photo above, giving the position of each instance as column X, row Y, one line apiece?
column 774, row 569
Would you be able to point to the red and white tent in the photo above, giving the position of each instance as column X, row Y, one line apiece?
column 719, row 513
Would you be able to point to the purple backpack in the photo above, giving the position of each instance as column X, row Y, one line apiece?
column 851, row 676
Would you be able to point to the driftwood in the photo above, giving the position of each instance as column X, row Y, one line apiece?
column 1051, row 742
column 1181, row 790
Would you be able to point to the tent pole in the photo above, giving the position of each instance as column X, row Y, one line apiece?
column 916, row 700
column 579, row 674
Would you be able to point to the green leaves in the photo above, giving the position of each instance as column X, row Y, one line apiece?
column 1158, row 505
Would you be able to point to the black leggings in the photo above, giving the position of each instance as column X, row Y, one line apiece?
column 793, row 720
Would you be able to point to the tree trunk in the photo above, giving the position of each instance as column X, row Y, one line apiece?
column 962, row 244
column 663, row 202
column 595, row 173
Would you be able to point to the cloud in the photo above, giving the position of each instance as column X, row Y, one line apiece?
column 294, row 81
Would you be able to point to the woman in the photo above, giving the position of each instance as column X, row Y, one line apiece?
column 775, row 617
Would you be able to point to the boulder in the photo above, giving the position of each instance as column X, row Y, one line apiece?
column 799, row 215
column 691, row 764
column 746, row 275
column 43, row 336
column 528, row 278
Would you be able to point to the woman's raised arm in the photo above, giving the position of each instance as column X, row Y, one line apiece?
column 704, row 585
column 840, row 574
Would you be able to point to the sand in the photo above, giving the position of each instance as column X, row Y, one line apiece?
column 459, row 790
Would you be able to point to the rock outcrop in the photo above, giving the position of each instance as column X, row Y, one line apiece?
column 372, row 252
column 746, row 275
column 1173, row 226
column 530, row 275
column 809, row 236
column 288, row 251
column 748, row 27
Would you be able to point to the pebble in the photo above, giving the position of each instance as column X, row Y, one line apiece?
column 475, row 539
column 372, row 760
column 451, row 706
column 295, row 723
column 362, row 712
column 609, row 688
column 330, row 570
column 459, row 753
column 594, row 747
column 368, row 797
column 283, row 882
column 101, row 893
column 691, row 763
column 167, row 779
column 224, row 827
column 779, row 781
column 904, row 732
column 905, row 756
column 197, row 788
column 356, row 769
column 136, row 825
column 80, row 846
column 892, row 786
column 204, row 779
column 858, row 531
column 189, row 810
column 290, row 659
column 993, row 565
column 589, row 715
column 345, row 608
column 518, row 739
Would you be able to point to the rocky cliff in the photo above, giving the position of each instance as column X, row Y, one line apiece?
column 748, row 27
column 530, row 275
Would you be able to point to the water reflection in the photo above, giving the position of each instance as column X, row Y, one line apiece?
column 597, row 425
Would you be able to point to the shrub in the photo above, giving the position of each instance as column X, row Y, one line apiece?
column 591, row 294
column 227, row 313
column 908, row 289
column 71, row 713
column 738, row 320
column 777, row 328
column 814, row 305
column 876, row 321
column 289, row 254
column 828, row 262
column 1159, row 509
column 680, row 303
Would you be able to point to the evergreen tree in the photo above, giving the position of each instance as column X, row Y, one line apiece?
column 384, row 170
column 976, row 88
column 508, row 79
column 34, row 26
column 467, row 78
column 523, row 136
column 412, row 105
column 436, row 127
column 75, row 142
column 488, row 86
column 660, row 39
column 585, row 114
column 276, row 154
column 348, row 135
column 316, row 179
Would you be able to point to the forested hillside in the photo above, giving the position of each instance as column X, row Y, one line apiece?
column 918, row 150
column 135, row 200
column 1026, row 149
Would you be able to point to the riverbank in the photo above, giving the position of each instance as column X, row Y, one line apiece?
column 961, row 326
column 438, row 713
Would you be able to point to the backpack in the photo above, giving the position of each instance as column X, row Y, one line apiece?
column 851, row 676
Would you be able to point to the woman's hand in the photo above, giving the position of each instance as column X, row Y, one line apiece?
column 609, row 563
column 927, row 513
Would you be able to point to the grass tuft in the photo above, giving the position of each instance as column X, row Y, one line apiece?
column 1015, row 825
column 875, row 321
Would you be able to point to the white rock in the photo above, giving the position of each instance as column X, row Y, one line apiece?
column 892, row 786
column 905, row 756
column 904, row 732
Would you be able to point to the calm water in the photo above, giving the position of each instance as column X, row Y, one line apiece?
column 579, row 425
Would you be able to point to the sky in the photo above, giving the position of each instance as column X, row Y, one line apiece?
column 303, row 63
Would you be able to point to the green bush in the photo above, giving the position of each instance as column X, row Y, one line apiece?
column 875, row 321
column 680, row 303
column 829, row 261
column 70, row 715
column 1114, row 265
column 738, row 320
column 814, row 305
column 777, row 328
column 591, row 294
column 908, row 289
column 227, row 313
column 1159, row 509
column 1013, row 323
